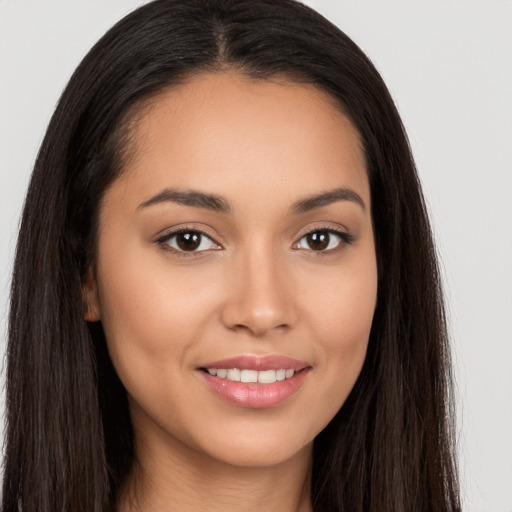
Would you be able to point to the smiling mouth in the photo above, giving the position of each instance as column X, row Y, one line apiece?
column 257, row 382
column 252, row 376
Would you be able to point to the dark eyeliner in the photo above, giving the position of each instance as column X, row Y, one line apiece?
column 161, row 241
column 345, row 237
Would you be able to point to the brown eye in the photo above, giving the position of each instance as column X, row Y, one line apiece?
column 189, row 241
column 323, row 240
column 318, row 241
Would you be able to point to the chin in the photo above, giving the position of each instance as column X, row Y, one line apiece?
column 245, row 455
column 257, row 447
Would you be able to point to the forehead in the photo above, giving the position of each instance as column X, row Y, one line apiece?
column 228, row 133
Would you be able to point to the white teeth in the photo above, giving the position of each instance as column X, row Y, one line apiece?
column 262, row 377
column 234, row 374
column 267, row 376
column 249, row 376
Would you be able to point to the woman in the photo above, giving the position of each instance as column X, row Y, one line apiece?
column 225, row 292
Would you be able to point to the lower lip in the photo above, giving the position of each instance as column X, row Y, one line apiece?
column 254, row 395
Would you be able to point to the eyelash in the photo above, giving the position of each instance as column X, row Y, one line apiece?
column 164, row 242
column 345, row 239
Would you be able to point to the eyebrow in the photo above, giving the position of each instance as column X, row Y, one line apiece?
column 218, row 204
column 190, row 198
column 326, row 198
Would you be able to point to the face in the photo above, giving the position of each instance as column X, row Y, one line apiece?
column 236, row 273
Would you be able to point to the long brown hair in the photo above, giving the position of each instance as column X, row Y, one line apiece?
column 69, row 440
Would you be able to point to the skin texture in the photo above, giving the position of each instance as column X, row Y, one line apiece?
column 257, row 288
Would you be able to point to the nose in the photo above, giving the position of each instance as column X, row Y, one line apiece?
column 259, row 297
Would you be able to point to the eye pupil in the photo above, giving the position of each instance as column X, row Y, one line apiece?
column 318, row 240
column 189, row 241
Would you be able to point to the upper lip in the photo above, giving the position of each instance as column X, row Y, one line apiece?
column 260, row 363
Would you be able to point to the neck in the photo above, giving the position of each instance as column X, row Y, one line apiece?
column 180, row 479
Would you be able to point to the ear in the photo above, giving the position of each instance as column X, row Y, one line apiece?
column 91, row 298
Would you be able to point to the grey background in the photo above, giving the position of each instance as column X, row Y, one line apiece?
column 448, row 66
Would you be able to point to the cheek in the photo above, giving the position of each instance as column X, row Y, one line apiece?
column 151, row 313
column 343, row 315
column 343, row 301
column 153, row 316
column 140, row 290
